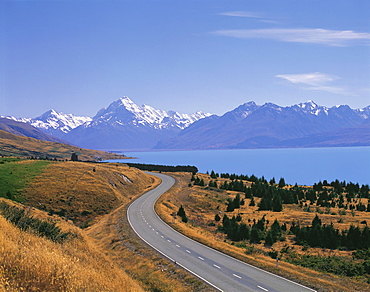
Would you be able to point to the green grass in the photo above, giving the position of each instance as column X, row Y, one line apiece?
column 16, row 174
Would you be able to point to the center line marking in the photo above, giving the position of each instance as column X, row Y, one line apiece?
column 262, row 288
column 237, row 276
column 201, row 258
column 217, row 267
column 188, row 251
column 177, row 245
column 168, row 240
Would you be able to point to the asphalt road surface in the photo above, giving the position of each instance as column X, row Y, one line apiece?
column 221, row 271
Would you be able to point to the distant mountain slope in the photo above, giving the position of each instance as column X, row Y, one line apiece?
column 125, row 125
column 15, row 145
column 344, row 137
column 269, row 125
column 55, row 123
column 23, row 129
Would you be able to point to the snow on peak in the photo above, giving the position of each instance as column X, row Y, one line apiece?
column 313, row 108
column 58, row 121
column 125, row 111
column 52, row 120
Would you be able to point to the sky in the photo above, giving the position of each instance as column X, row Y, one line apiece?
column 79, row 56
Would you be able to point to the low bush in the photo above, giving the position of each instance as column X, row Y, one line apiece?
column 24, row 221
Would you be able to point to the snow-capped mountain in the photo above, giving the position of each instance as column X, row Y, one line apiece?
column 270, row 125
column 126, row 125
column 55, row 123
column 125, row 112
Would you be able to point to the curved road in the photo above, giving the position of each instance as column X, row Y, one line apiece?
column 221, row 271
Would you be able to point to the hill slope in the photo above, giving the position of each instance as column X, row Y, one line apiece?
column 14, row 145
column 26, row 130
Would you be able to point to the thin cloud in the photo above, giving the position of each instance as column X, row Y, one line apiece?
column 301, row 35
column 248, row 14
column 314, row 81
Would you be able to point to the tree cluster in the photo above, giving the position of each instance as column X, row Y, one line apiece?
column 326, row 236
column 164, row 168
column 255, row 234
column 234, row 204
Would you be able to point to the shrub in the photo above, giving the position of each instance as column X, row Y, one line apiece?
column 25, row 222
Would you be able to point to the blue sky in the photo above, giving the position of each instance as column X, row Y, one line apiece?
column 79, row 56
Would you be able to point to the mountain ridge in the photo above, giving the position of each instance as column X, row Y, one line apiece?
column 267, row 125
column 126, row 125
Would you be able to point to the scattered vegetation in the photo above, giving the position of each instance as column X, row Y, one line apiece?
column 258, row 221
column 24, row 221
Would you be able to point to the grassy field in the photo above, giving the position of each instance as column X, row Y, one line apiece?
column 202, row 204
column 16, row 174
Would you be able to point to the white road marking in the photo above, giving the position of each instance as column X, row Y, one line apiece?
column 201, row 258
column 237, row 276
column 156, row 232
column 262, row 288
column 168, row 240
column 162, row 236
column 177, row 245
column 217, row 267
column 188, row 251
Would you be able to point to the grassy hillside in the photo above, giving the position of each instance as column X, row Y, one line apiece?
column 29, row 262
column 81, row 192
column 202, row 203
column 13, row 145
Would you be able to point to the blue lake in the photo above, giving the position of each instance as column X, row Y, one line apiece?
column 304, row 166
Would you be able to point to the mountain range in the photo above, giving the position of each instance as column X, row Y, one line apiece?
column 272, row 126
column 125, row 125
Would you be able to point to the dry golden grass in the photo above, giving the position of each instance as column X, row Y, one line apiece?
column 201, row 205
column 82, row 191
column 31, row 263
column 15, row 145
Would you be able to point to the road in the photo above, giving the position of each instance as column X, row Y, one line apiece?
column 221, row 271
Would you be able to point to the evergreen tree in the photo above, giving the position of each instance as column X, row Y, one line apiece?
column 277, row 205
column 275, row 230
column 281, row 183
column 217, row 217
column 252, row 203
column 236, row 202
column 213, row 175
column 230, row 205
column 181, row 211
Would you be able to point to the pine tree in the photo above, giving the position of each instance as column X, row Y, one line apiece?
column 252, row 203
column 217, row 217
column 230, row 205
column 277, row 205
column 213, row 175
column 281, row 183
column 181, row 211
